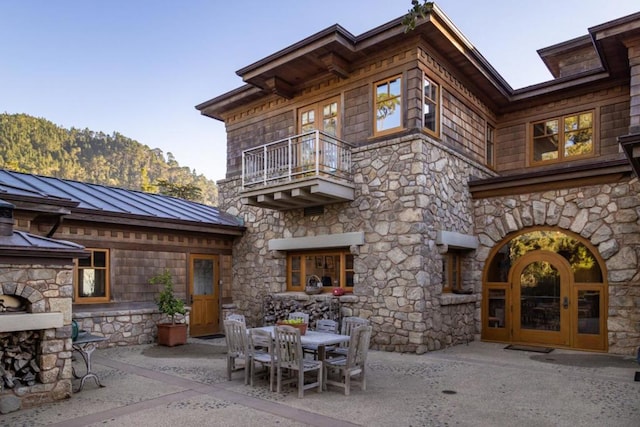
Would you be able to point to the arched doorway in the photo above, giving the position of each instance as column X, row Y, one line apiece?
column 545, row 287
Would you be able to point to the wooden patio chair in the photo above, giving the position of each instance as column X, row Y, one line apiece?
column 353, row 365
column 236, row 337
column 289, row 357
column 348, row 324
column 299, row 315
column 322, row 325
column 261, row 350
column 238, row 317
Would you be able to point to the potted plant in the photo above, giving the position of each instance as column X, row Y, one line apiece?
column 169, row 334
column 296, row 323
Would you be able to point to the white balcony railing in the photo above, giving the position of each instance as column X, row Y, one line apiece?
column 313, row 153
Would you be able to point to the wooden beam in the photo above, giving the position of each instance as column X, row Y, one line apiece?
column 279, row 87
column 336, row 64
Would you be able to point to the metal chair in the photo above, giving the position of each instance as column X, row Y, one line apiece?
column 261, row 350
column 353, row 365
column 236, row 337
column 322, row 325
column 299, row 315
column 289, row 357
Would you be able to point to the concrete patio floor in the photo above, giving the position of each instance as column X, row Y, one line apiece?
column 479, row 384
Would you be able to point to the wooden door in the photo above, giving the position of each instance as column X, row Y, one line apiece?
column 205, row 295
column 542, row 299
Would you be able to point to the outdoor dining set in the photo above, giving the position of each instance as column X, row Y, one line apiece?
column 293, row 354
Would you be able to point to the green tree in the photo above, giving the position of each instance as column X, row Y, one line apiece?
column 418, row 11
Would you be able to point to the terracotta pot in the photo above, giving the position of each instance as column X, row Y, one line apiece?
column 172, row 334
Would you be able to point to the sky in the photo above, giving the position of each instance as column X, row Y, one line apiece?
column 139, row 67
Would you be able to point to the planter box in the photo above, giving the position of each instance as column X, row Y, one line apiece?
column 170, row 334
column 301, row 326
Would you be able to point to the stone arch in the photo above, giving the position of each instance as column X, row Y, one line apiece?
column 605, row 215
column 497, row 219
column 26, row 292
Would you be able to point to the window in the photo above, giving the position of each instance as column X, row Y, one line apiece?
column 323, row 116
column 92, row 277
column 388, row 105
column 451, row 272
column 490, row 147
column 430, row 104
column 563, row 138
column 333, row 268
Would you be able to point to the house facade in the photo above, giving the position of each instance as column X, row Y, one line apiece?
column 130, row 237
column 402, row 168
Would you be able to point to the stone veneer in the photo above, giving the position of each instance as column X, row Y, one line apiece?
column 605, row 215
column 48, row 288
column 407, row 189
column 127, row 325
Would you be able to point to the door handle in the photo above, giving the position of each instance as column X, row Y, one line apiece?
column 565, row 302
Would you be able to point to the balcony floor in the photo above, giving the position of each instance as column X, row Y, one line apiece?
column 301, row 193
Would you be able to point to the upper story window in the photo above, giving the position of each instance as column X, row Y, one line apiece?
column 333, row 268
column 490, row 149
column 430, row 106
column 563, row 138
column 322, row 116
column 388, row 105
column 92, row 277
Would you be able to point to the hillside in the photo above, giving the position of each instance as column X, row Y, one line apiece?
column 38, row 146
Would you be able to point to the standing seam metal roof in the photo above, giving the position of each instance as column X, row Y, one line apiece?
column 104, row 199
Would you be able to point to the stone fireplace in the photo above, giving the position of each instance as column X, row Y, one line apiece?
column 36, row 289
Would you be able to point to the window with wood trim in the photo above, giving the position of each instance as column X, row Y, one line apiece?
column 92, row 277
column 490, row 148
column 388, row 105
column 324, row 116
column 451, row 271
column 431, row 106
column 563, row 138
column 333, row 268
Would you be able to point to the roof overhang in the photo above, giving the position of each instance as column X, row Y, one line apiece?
column 335, row 52
column 548, row 179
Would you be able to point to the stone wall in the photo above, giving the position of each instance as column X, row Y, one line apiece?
column 407, row 189
column 123, row 326
column 605, row 215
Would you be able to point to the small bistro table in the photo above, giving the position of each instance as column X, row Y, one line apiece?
column 314, row 338
column 85, row 344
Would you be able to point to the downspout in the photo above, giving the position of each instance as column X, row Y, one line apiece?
column 55, row 227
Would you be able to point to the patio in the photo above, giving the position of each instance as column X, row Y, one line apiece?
column 475, row 384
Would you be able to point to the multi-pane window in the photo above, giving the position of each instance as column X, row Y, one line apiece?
column 388, row 105
column 451, row 272
column 323, row 116
column 563, row 138
column 92, row 277
column 430, row 106
column 490, row 152
column 334, row 269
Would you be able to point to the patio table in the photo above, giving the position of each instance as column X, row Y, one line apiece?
column 319, row 339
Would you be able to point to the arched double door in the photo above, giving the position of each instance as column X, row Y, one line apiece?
column 545, row 287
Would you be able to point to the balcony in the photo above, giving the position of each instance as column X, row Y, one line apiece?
column 310, row 169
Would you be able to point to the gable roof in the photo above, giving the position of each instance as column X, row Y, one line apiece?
column 80, row 200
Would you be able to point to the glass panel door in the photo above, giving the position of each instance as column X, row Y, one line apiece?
column 541, row 299
column 204, row 296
